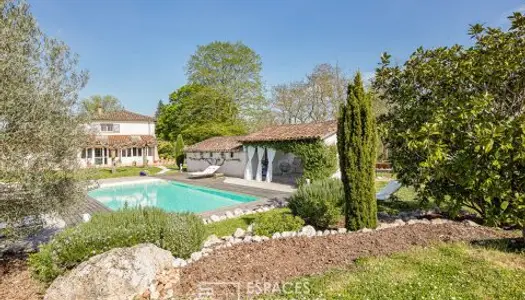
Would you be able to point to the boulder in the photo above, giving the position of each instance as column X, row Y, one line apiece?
column 179, row 263
column 438, row 221
column 215, row 218
column 195, row 256
column 212, row 240
column 117, row 274
column 239, row 233
column 470, row 223
column 308, row 231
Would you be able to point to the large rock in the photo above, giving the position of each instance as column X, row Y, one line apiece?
column 117, row 274
column 308, row 231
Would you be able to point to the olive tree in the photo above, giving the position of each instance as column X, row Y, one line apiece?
column 40, row 129
column 456, row 125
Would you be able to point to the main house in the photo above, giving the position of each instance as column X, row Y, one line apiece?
column 251, row 157
column 120, row 138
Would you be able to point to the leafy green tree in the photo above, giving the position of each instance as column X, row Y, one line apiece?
column 166, row 149
column 234, row 70
column 160, row 106
column 40, row 133
column 457, row 126
column 198, row 112
column 356, row 144
column 179, row 150
column 107, row 103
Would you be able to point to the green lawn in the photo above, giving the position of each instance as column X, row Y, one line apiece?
column 404, row 200
column 457, row 271
column 228, row 227
column 103, row 173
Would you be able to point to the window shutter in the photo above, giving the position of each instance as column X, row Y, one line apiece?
column 116, row 127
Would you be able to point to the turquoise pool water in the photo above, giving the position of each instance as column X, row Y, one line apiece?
column 169, row 195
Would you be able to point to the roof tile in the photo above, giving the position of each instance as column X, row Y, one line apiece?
column 121, row 115
column 118, row 141
column 291, row 132
column 217, row 144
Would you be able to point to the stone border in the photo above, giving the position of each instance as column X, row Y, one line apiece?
column 240, row 236
column 238, row 212
column 246, row 236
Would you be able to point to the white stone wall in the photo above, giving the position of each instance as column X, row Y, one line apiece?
column 232, row 166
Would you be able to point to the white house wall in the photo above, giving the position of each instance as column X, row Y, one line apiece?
column 233, row 167
column 126, row 128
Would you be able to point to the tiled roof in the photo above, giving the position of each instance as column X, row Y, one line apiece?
column 119, row 141
column 291, row 132
column 217, row 144
column 121, row 115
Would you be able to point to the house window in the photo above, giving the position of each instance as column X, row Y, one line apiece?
column 130, row 154
column 231, row 154
column 89, row 153
column 83, row 154
column 106, row 127
column 139, row 151
column 150, row 151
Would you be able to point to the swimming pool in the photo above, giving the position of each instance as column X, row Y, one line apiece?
column 170, row 196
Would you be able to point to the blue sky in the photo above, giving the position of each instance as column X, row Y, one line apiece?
column 136, row 50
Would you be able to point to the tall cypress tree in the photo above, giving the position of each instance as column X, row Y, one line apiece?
column 357, row 152
column 179, row 150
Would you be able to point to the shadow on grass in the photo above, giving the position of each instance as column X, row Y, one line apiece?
column 509, row 245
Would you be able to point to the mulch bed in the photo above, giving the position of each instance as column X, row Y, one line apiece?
column 278, row 261
column 16, row 282
column 274, row 261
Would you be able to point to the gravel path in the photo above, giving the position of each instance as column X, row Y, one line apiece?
column 277, row 261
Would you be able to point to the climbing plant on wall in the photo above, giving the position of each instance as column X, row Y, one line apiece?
column 319, row 160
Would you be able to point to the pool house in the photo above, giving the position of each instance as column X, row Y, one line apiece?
column 252, row 156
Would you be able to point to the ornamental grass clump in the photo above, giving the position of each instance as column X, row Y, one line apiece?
column 180, row 233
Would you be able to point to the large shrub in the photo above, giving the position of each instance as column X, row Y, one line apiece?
column 276, row 221
column 319, row 203
column 456, row 130
column 181, row 234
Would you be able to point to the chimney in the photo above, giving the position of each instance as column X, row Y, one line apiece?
column 99, row 109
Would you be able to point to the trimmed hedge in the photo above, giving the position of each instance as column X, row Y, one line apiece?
column 320, row 203
column 180, row 233
column 275, row 221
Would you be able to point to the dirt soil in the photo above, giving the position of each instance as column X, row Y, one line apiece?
column 277, row 261
column 16, row 282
